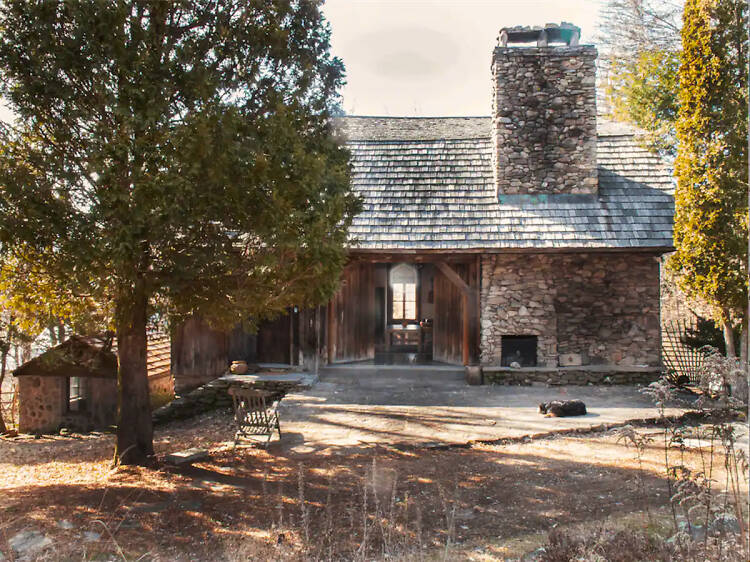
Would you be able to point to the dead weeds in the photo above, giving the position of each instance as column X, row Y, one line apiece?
column 347, row 503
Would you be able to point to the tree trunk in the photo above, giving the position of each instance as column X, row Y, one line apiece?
column 134, row 428
column 26, row 352
column 52, row 336
column 729, row 338
column 743, row 345
column 4, row 361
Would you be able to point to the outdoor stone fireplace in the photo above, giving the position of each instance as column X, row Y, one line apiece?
column 519, row 351
column 582, row 309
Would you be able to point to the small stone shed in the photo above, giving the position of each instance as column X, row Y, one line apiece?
column 74, row 385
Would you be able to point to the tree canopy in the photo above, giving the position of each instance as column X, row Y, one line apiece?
column 640, row 43
column 645, row 91
column 712, row 163
column 173, row 156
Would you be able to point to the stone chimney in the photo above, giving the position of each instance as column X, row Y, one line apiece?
column 544, row 111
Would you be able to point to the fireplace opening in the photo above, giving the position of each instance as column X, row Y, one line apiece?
column 519, row 349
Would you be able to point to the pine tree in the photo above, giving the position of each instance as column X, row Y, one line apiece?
column 175, row 157
column 712, row 166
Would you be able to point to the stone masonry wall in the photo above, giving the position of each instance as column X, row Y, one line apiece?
column 544, row 119
column 517, row 298
column 41, row 403
column 43, row 406
column 568, row 375
column 608, row 308
column 586, row 309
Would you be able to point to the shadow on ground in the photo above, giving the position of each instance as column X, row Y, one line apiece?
column 418, row 496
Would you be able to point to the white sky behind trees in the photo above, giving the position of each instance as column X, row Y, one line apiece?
column 432, row 57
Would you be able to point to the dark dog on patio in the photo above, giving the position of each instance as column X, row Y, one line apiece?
column 562, row 408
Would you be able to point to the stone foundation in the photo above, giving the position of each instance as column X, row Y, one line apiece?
column 215, row 395
column 569, row 376
column 585, row 309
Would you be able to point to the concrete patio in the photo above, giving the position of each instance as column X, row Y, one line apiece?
column 362, row 405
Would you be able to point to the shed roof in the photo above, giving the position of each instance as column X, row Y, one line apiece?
column 95, row 356
column 77, row 356
column 427, row 184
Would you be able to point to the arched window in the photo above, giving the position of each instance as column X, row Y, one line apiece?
column 404, row 287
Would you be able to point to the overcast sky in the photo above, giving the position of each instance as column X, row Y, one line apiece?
column 432, row 57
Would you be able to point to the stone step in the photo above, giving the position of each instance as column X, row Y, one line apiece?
column 278, row 368
column 188, row 456
column 395, row 375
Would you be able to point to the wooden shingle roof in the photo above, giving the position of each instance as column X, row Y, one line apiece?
column 427, row 184
column 92, row 356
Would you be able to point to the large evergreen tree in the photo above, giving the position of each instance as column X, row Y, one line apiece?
column 174, row 156
column 712, row 163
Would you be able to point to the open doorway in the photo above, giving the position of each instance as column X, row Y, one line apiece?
column 405, row 312
column 404, row 300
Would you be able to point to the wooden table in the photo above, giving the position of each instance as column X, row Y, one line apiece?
column 413, row 334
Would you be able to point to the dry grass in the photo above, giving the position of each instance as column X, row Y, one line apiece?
column 483, row 503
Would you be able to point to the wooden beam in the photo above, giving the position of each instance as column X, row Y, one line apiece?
column 291, row 335
column 451, row 254
column 474, row 311
column 465, row 348
column 454, row 277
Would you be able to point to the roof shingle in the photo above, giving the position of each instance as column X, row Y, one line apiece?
column 427, row 184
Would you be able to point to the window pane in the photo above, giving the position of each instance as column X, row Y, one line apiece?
column 74, row 390
column 410, row 310
column 410, row 292
column 398, row 292
column 398, row 309
column 404, row 301
column 75, row 394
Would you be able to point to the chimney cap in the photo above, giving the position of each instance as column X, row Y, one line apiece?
column 551, row 33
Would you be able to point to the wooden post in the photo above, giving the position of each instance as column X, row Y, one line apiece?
column 478, row 311
column 331, row 330
column 317, row 338
column 291, row 336
column 466, row 304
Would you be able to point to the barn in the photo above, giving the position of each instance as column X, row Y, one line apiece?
column 528, row 240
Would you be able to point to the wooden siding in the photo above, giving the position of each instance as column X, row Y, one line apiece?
column 275, row 340
column 311, row 348
column 199, row 353
column 351, row 325
column 447, row 336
